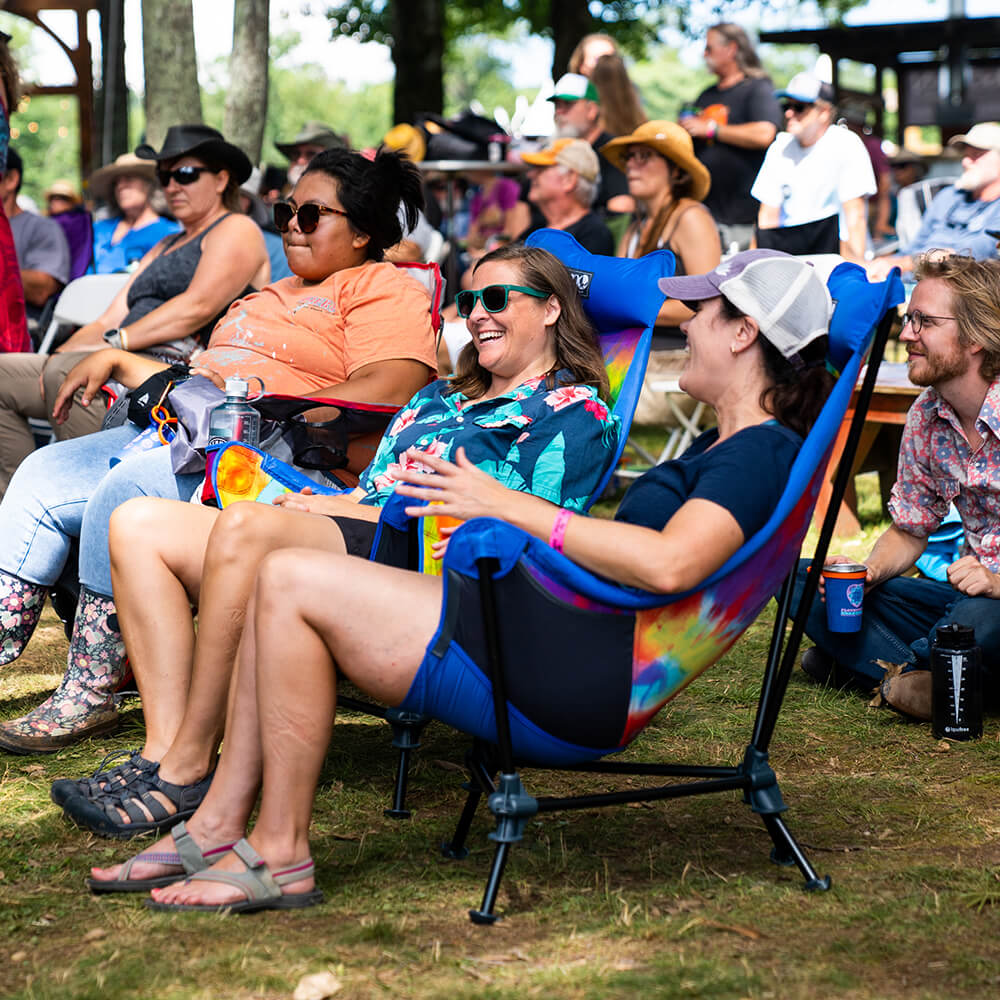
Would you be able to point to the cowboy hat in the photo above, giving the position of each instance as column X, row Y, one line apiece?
column 102, row 182
column 201, row 141
column 311, row 134
column 63, row 189
column 672, row 143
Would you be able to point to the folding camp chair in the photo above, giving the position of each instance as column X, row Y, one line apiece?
column 491, row 567
column 622, row 299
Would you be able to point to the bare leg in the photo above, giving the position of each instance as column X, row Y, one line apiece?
column 223, row 815
column 157, row 551
column 241, row 538
column 326, row 606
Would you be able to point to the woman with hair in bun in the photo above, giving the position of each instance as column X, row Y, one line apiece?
column 346, row 324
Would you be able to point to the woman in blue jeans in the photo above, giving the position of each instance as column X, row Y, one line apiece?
column 69, row 489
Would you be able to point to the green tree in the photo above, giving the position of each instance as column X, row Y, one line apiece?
column 635, row 24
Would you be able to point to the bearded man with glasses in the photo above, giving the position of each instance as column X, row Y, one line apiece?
column 815, row 179
column 950, row 454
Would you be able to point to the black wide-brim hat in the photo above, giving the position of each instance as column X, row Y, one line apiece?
column 203, row 141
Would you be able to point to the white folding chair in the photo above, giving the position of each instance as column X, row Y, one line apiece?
column 81, row 302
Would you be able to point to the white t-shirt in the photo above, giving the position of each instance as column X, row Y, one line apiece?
column 809, row 183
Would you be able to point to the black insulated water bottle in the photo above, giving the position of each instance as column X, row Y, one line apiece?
column 957, row 672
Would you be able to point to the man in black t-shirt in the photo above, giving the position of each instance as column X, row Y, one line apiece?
column 738, row 119
column 577, row 114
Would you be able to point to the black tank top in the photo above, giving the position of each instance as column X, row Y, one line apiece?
column 169, row 275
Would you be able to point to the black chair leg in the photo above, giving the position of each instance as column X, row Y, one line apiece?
column 485, row 914
column 406, row 730
column 788, row 852
column 455, row 848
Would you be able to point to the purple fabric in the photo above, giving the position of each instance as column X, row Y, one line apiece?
column 79, row 230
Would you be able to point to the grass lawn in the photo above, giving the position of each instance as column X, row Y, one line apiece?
column 675, row 899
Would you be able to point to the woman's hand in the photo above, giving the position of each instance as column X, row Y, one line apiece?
column 214, row 377
column 458, row 489
column 317, row 503
column 89, row 374
column 87, row 338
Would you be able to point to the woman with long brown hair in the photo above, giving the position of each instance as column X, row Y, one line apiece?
column 669, row 184
column 621, row 109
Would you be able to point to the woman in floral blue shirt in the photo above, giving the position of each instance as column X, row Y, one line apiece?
column 526, row 405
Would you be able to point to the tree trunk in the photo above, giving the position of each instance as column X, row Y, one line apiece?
column 570, row 21
column 417, row 54
column 111, row 101
column 246, row 101
column 171, row 70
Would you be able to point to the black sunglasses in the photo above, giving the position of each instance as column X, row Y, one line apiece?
column 796, row 107
column 309, row 213
column 183, row 175
column 493, row 297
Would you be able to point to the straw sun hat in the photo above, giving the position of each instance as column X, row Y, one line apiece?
column 670, row 141
column 102, row 181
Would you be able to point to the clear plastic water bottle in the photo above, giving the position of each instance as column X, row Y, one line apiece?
column 235, row 419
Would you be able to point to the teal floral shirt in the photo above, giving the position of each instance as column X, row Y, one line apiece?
column 553, row 443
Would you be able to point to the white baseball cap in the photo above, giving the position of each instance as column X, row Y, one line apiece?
column 784, row 294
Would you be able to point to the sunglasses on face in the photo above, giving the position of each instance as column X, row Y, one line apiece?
column 796, row 107
column 183, row 175
column 309, row 213
column 641, row 154
column 493, row 297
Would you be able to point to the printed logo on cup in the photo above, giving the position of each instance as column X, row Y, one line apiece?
column 855, row 594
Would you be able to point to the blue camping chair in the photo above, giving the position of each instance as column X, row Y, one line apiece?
column 622, row 299
column 490, row 565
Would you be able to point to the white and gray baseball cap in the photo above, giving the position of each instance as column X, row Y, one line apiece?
column 784, row 294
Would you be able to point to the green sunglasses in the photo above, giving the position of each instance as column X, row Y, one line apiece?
column 493, row 297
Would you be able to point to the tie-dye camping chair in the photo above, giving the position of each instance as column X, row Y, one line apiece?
column 508, row 584
column 622, row 299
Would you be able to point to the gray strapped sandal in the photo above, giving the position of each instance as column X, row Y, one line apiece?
column 113, row 779
column 188, row 860
column 261, row 887
column 144, row 812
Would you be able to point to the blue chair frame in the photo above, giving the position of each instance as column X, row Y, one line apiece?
column 488, row 556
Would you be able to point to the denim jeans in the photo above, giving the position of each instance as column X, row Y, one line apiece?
column 68, row 490
column 898, row 625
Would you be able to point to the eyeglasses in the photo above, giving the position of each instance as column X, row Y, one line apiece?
column 796, row 107
column 493, row 297
column 641, row 154
column 183, row 175
column 916, row 319
column 309, row 213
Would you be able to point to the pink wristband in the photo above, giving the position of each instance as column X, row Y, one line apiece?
column 559, row 529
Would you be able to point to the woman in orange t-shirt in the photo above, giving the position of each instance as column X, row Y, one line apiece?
column 337, row 313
